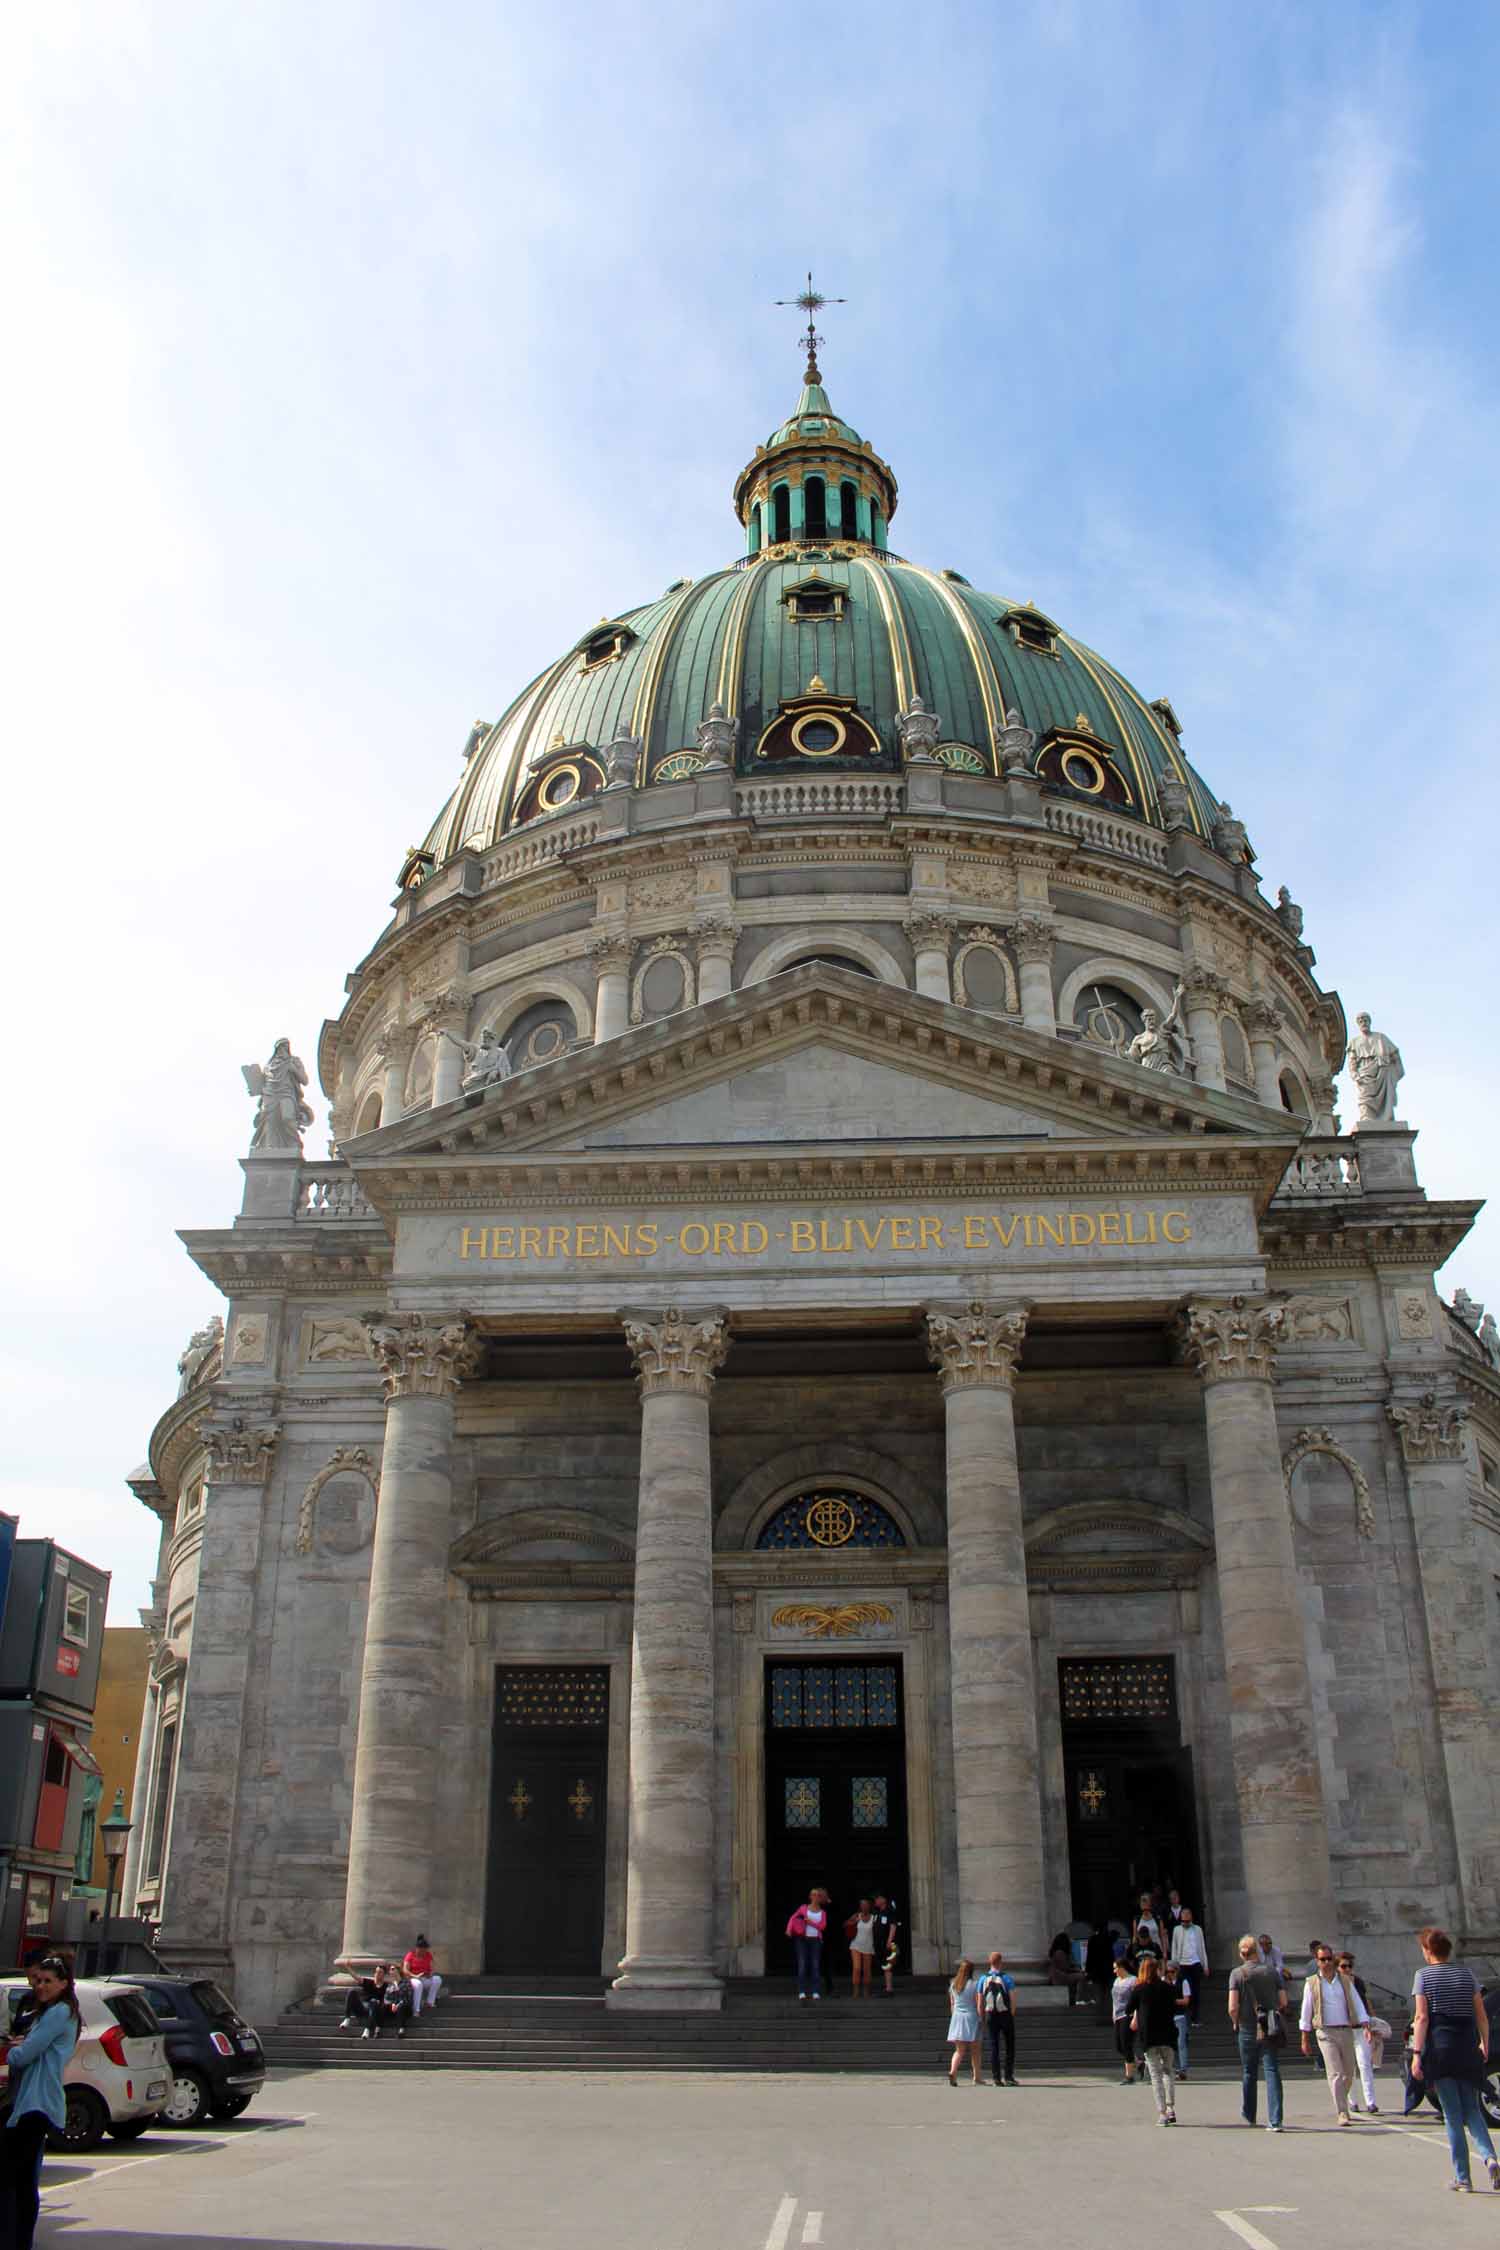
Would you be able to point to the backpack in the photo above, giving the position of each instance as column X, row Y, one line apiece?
column 996, row 1997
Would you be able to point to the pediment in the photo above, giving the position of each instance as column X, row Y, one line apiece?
column 1094, row 1545
column 815, row 1062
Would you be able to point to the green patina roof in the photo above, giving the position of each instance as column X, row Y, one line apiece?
column 729, row 638
column 812, row 416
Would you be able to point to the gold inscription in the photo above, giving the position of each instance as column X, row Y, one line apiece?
column 895, row 1233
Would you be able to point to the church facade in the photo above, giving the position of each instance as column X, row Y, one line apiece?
column 842, row 1342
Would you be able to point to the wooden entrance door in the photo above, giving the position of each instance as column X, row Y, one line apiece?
column 544, row 1907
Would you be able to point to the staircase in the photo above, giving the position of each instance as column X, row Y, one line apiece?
column 539, row 2023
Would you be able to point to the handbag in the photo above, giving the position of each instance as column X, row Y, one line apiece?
column 1380, row 2029
column 1270, row 2031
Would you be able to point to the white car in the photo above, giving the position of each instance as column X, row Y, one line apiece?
column 116, row 2080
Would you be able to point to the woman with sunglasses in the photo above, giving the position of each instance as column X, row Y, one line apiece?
column 36, row 2071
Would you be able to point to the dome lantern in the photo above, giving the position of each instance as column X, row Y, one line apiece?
column 815, row 478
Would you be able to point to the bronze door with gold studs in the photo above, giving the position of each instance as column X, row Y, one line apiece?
column 545, row 1896
column 1131, row 1813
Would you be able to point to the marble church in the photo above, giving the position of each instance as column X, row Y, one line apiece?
column 841, row 1339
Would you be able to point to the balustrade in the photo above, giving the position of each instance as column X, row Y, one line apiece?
column 1322, row 1167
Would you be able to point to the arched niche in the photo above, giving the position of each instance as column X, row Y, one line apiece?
column 782, row 1476
column 367, row 1118
column 664, row 982
column 984, row 976
column 823, row 938
column 1146, row 989
column 547, row 984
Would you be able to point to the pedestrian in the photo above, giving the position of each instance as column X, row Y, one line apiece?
column 1061, row 1967
column 426, row 1984
column 1271, row 1954
column 1098, row 1968
column 1257, row 2010
column 396, row 2001
column 963, row 2021
column 1154, row 2022
column 1369, row 2051
column 1451, row 2052
column 1145, row 1940
column 1145, row 1917
column 861, row 1928
column 997, row 2008
column 887, row 1939
column 1122, row 2005
column 1190, row 1951
column 38, row 2104
column 806, row 1929
column 1184, row 1982
column 1334, row 2011
column 1175, row 1908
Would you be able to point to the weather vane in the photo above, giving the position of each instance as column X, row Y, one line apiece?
column 812, row 302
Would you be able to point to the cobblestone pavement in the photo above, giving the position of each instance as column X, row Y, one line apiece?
column 446, row 2160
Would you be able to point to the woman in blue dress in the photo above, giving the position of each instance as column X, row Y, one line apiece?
column 963, row 2021
column 36, row 2075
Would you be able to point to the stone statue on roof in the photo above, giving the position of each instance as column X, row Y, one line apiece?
column 281, row 1114
column 1374, row 1063
column 200, row 1345
column 1016, row 744
column 1160, row 1043
column 486, row 1062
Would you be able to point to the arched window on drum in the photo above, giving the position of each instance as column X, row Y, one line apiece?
column 828, row 1516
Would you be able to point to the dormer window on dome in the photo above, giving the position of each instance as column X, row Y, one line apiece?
column 565, row 776
column 605, row 645
column 814, row 599
column 1029, row 628
column 820, row 727
column 1074, row 759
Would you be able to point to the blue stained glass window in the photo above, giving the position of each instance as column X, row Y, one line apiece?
column 831, row 1516
column 869, row 1800
column 880, row 1695
column 804, row 1800
column 817, row 1695
column 849, row 1695
column 786, row 1695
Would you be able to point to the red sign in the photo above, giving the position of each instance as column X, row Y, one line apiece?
column 69, row 1661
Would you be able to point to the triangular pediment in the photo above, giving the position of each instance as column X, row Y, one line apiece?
column 819, row 1065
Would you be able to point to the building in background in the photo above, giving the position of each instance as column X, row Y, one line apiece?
column 123, row 1672
column 51, row 1642
column 843, row 1341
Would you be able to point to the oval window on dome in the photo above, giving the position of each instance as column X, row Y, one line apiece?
column 1082, row 770
column 819, row 737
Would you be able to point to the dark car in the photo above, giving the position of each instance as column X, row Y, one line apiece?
column 215, row 2060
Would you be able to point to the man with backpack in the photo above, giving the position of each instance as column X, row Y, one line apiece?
column 997, row 2012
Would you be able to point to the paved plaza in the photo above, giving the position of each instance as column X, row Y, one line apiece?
column 446, row 2160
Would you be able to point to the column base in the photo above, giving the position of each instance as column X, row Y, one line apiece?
column 666, row 1988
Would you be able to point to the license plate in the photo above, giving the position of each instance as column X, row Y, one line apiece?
column 157, row 2090
column 249, row 2043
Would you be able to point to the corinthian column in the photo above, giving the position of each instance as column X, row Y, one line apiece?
column 403, row 1690
column 1001, row 1899
column 611, row 959
column 1203, row 996
column 1273, row 1742
column 1033, row 938
column 929, row 934
column 1432, row 1429
column 195, row 1888
column 669, row 1900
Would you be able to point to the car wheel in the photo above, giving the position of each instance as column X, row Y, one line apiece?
column 1489, row 2098
column 133, row 2130
column 187, row 2102
column 233, row 2105
column 83, row 2125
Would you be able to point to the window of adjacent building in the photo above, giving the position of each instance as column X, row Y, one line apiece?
column 75, row 1624
column 161, row 1801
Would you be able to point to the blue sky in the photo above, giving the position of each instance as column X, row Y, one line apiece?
column 360, row 357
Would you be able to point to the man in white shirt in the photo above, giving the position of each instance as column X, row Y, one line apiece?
column 1333, row 2010
column 1191, row 1953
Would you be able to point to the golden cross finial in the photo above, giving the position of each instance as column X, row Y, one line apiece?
column 812, row 301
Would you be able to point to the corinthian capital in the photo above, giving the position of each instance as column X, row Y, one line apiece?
column 446, row 1010
column 397, row 1042
column 1263, row 1019
column 237, row 1454
column 610, row 954
column 1430, row 1431
column 715, row 936
column 929, row 931
column 675, row 1350
column 1033, row 937
column 1204, row 988
column 977, row 1346
column 1233, row 1343
column 420, row 1358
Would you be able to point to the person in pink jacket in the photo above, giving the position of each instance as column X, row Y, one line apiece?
column 807, row 1929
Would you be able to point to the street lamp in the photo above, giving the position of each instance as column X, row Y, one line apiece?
column 114, row 1835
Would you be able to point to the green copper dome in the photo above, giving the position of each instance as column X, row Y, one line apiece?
column 813, row 646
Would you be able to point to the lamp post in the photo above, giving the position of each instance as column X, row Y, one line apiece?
column 114, row 1835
